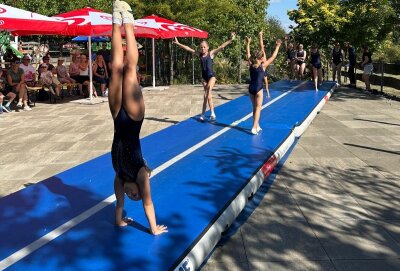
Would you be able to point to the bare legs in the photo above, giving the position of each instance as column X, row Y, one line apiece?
column 365, row 78
column 23, row 95
column 337, row 69
column 117, row 66
column 256, row 101
column 317, row 76
column 124, row 88
column 208, row 97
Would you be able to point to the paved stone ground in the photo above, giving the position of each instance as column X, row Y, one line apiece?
column 333, row 206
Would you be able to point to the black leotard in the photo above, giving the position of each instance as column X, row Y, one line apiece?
column 337, row 56
column 256, row 79
column 126, row 151
column 300, row 54
column 206, row 67
column 316, row 60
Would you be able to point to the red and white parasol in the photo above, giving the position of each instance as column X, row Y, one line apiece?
column 19, row 21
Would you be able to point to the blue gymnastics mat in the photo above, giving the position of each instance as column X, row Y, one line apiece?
column 203, row 174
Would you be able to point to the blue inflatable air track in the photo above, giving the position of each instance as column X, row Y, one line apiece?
column 203, row 176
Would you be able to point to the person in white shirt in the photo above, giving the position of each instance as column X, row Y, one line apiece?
column 29, row 71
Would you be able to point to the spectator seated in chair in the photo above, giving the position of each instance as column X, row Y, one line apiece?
column 11, row 96
column 46, row 80
column 84, row 78
column 100, row 73
column 74, row 71
column 16, row 84
column 29, row 71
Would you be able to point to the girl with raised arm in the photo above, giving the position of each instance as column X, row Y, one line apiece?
column 207, row 73
column 261, row 44
column 127, row 109
column 257, row 70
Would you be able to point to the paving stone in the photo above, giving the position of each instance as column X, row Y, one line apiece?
column 355, row 239
column 293, row 266
column 367, row 265
column 281, row 242
column 340, row 206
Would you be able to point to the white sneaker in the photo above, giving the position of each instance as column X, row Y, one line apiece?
column 127, row 15
column 202, row 117
column 259, row 129
column 213, row 117
column 116, row 13
column 27, row 108
column 254, row 131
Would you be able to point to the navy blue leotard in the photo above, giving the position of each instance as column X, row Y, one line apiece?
column 256, row 79
column 316, row 60
column 206, row 67
column 337, row 56
column 300, row 54
column 126, row 151
column 290, row 54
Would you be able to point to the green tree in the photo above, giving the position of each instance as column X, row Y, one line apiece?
column 218, row 17
column 358, row 21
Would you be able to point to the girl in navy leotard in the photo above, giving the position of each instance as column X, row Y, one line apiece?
column 258, row 64
column 336, row 62
column 315, row 61
column 206, row 60
column 290, row 60
column 300, row 58
column 127, row 109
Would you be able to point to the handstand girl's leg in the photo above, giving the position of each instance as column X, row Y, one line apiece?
column 117, row 65
column 132, row 94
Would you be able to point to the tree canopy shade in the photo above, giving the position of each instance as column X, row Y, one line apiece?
column 357, row 21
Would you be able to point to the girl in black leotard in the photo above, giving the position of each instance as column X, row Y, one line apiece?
column 300, row 58
column 337, row 61
column 206, row 59
column 290, row 60
column 315, row 61
column 257, row 65
column 127, row 109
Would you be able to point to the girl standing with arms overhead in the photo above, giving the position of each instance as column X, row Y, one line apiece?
column 257, row 70
column 132, row 176
column 207, row 73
